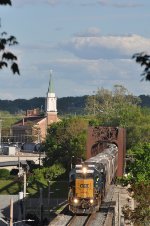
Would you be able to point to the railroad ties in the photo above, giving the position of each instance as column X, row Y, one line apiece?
column 105, row 217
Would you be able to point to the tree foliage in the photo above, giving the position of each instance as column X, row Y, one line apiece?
column 5, row 2
column 140, row 216
column 8, row 119
column 120, row 108
column 138, row 128
column 144, row 60
column 139, row 167
column 112, row 107
column 65, row 139
column 139, row 179
column 7, row 57
column 42, row 175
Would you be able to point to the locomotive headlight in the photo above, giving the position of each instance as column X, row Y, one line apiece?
column 84, row 169
column 91, row 201
column 75, row 200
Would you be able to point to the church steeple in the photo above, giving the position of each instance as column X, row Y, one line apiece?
column 51, row 106
column 51, row 98
column 50, row 88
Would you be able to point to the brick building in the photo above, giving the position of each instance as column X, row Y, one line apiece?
column 33, row 127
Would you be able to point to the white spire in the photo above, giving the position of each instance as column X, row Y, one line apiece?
column 51, row 98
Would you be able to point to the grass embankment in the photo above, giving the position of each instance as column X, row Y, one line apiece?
column 9, row 187
column 57, row 189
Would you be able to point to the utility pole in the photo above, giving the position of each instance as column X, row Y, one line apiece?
column 49, row 190
column 24, row 191
column 25, row 184
column 39, row 142
column 11, row 212
column 41, row 204
column 0, row 132
column 71, row 162
column 94, row 102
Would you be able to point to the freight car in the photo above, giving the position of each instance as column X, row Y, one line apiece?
column 89, row 181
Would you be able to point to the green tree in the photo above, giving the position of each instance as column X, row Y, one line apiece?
column 8, row 119
column 5, row 2
column 139, row 179
column 113, row 108
column 7, row 57
column 140, row 166
column 65, row 139
column 42, row 175
column 120, row 108
column 138, row 128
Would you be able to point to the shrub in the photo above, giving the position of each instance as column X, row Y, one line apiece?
column 14, row 172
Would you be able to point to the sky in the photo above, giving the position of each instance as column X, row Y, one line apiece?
column 87, row 44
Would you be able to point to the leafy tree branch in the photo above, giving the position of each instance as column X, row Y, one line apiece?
column 144, row 60
column 6, row 56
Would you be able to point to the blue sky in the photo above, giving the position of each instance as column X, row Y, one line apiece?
column 88, row 44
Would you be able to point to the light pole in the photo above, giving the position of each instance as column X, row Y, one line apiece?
column 94, row 102
column 57, row 190
column 24, row 184
column 0, row 132
column 39, row 142
column 71, row 161
column 49, row 190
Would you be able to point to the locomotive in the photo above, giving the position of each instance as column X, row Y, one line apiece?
column 89, row 181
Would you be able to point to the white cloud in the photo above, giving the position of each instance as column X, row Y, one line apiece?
column 107, row 47
column 90, row 70
column 73, row 77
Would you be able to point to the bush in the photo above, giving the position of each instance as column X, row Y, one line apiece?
column 4, row 174
column 14, row 172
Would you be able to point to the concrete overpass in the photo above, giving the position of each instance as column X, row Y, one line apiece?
column 11, row 161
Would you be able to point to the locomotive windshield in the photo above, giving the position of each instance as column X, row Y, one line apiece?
column 83, row 176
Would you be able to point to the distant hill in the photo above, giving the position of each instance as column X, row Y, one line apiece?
column 65, row 105
column 145, row 100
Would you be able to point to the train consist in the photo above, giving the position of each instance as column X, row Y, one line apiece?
column 89, row 181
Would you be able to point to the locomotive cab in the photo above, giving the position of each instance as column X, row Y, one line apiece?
column 89, row 181
column 86, row 189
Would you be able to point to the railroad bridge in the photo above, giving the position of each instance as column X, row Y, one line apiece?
column 99, row 137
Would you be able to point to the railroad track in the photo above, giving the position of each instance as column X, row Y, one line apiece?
column 96, row 219
column 78, row 220
column 99, row 218
column 102, row 216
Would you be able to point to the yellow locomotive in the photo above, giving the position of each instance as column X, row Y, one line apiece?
column 89, row 181
column 86, row 189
